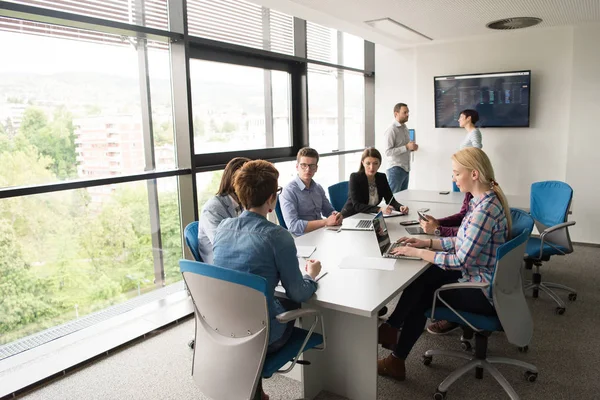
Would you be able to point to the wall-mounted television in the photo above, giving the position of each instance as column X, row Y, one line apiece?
column 500, row 98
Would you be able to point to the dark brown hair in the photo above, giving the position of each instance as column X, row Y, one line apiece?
column 255, row 182
column 369, row 152
column 226, row 186
column 307, row 152
column 471, row 113
column 399, row 106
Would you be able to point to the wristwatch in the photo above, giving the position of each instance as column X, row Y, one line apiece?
column 437, row 231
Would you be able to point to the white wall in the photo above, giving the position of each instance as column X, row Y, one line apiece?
column 558, row 144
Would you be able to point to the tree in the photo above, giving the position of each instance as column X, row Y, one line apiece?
column 55, row 140
column 25, row 297
column 228, row 127
column 199, row 129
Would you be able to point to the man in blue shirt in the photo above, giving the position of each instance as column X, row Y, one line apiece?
column 303, row 201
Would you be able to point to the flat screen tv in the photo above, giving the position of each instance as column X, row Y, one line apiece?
column 500, row 98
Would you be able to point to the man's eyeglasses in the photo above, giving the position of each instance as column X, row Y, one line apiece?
column 313, row 167
column 279, row 190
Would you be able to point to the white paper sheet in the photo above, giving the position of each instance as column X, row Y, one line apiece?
column 305, row 251
column 353, row 262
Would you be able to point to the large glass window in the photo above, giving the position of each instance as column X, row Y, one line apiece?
column 67, row 254
column 232, row 106
column 73, row 109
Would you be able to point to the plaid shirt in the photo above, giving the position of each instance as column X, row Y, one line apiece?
column 473, row 250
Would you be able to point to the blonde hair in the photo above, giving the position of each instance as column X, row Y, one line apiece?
column 475, row 159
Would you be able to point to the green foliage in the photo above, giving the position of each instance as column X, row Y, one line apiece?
column 163, row 133
column 228, row 127
column 54, row 139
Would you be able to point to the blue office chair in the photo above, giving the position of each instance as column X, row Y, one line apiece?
column 512, row 317
column 550, row 203
column 280, row 215
column 338, row 194
column 232, row 323
column 190, row 234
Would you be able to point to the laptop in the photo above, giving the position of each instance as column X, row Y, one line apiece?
column 357, row 224
column 383, row 239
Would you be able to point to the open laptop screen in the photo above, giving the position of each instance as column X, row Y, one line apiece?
column 381, row 232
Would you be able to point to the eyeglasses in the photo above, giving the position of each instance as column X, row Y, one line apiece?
column 279, row 190
column 313, row 167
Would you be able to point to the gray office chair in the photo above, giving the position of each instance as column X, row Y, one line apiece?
column 232, row 323
column 513, row 317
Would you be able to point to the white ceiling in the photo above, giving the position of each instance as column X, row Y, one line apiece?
column 438, row 19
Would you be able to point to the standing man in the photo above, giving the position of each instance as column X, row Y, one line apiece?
column 303, row 201
column 398, row 148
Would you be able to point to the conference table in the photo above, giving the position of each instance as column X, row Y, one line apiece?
column 349, row 300
column 456, row 198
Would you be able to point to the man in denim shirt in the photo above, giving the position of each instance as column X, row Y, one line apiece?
column 303, row 201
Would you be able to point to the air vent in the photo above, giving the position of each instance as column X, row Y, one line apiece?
column 514, row 23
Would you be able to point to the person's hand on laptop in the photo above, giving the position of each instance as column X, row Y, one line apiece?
column 413, row 242
column 407, row 250
column 313, row 268
column 430, row 225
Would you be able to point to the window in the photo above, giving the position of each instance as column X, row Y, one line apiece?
column 69, row 102
column 239, row 108
column 67, row 254
column 324, row 44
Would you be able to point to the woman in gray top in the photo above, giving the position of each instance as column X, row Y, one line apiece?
column 224, row 205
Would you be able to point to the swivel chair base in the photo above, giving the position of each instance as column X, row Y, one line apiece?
column 536, row 285
column 480, row 362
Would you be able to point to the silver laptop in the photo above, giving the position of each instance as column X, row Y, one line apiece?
column 383, row 239
column 357, row 224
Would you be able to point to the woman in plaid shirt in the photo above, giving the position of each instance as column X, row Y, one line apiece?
column 468, row 257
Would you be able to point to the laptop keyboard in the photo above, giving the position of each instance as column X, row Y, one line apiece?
column 365, row 224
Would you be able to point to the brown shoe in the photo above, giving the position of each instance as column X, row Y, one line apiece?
column 442, row 327
column 388, row 336
column 263, row 395
column 392, row 367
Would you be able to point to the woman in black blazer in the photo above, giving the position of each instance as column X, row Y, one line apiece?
column 367, row 187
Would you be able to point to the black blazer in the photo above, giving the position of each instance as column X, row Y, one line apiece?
column 358, row 194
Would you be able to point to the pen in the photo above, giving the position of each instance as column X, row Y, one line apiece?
column 321, row 277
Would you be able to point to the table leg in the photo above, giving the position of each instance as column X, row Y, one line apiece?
column 348, row 366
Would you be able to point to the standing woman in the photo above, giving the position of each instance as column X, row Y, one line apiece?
column 468, row 118
column 368, row 187
column 224, row 205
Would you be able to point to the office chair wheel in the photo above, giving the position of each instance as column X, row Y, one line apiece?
column 560, row 310
column 531, row 376
column 427, row 360
column 191, row 344
column 523, row 349
column 439, row 395
column 572, row 296
column 466, row 346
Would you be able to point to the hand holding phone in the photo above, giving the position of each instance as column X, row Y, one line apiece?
column 422, row 217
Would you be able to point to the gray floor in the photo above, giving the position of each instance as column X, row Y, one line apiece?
column 565, row 349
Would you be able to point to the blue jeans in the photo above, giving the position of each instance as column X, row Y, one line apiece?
column 397, row 178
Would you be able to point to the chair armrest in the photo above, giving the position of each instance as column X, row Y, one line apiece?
column 295, row 314
column 464, row 285
column 458, row 285
column 556, row 227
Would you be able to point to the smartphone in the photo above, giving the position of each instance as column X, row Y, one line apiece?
column 411, row 135
column 408, row 223
column 445, row 192
column 423, row 210
column 421, row 216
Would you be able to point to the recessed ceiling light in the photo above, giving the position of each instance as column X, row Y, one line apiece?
column 398, row 30
column 514, row 23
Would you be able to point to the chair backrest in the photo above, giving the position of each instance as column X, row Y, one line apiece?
column 190, row 234
column 550, row 203
column 338, row 194
column 280, row 214
column 507, row 289
column 232, row 329
column 520, row 220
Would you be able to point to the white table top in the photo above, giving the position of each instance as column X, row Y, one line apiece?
column 360, row 291
column 433, row 196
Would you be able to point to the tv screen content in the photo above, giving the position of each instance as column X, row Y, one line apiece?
column 501, row 99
